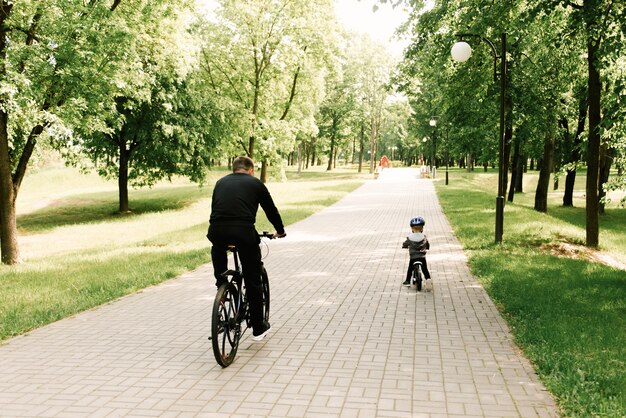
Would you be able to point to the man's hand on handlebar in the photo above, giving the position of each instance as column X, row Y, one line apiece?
column 266, row 234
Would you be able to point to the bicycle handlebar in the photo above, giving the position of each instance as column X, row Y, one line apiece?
column 267, row 234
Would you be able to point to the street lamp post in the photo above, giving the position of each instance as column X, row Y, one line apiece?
column 424, row 154
column 447, row 150
column 433, row 145
column 461, row 52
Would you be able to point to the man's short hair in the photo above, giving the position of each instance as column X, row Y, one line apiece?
column 242, row 163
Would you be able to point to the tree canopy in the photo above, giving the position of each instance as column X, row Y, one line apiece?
column 144, row 90
column 563, row 86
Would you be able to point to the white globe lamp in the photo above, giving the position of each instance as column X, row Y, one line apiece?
column 461, row 51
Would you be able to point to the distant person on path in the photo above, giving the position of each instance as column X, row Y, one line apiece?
column 418, row 244
column 236, row 199
column 384, row 163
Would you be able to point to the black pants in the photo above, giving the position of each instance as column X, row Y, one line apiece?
column 424, row 268
column 247, row 241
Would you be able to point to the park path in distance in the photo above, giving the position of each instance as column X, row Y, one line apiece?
column 347, row 338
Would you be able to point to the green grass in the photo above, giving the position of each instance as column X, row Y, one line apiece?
column 79, row 253
column 568, row 315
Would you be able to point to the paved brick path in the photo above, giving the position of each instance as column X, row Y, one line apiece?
column 348, row 340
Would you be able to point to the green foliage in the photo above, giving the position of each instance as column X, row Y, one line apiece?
column 554, row 50
column 55, row 59
column 156, row 122
column 566, row 314
column 356, row 96
column 265, row 61
column 93, row 78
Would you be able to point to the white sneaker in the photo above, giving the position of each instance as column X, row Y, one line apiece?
column 263, row 334
column 428, row 285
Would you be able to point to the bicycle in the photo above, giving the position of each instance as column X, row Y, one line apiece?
column 417, row 278
column 231, row 311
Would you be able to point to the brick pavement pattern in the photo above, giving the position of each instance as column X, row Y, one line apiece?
column 347, row 340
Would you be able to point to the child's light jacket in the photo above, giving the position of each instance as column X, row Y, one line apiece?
column 417, row 243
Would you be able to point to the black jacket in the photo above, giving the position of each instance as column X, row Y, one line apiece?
column 236, row 199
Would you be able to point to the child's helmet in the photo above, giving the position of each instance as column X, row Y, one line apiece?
column 417, row 221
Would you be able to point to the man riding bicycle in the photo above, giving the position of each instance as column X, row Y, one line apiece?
column 236, row 200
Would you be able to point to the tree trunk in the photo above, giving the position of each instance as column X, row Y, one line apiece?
column 543, row 185
column 514, row 170
column 570, row 175
column 250, row 150
column 8, row 227
column 574, row 150
column 521, row 169
column 264, row 171
column 330, row 154
column 361, row 146
column 568, row 194
column 122, row 178
column 593, row 145
column 333, row 143
column 299, row 157
column 508, row 137
column 606, row 160
column 372, row 143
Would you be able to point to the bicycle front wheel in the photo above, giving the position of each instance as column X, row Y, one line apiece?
column 266, row 294
column 225, row 329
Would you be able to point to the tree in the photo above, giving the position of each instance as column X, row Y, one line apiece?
column 356, row 94
column 602, row 23
column 54, row 57
column 374, row 66
column 258, row 56
column 333, row 114
column 573, row 142
column 158, row 122
column 535, row 27
column 394, row 128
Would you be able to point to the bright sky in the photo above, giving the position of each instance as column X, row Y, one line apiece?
column 359, row 16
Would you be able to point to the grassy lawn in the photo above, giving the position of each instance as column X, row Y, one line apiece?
column 567, row 313
column 566, row 309
column 78, row 253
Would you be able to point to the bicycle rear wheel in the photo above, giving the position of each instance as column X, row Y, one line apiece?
column 417, row 272
column 225, row 329
column 266, row 294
